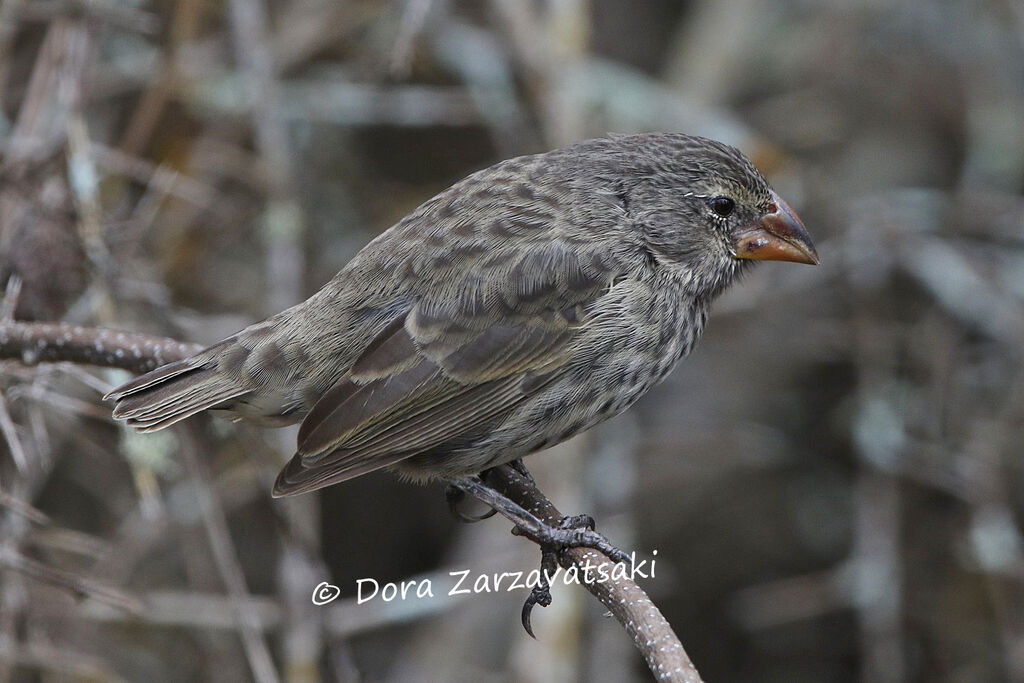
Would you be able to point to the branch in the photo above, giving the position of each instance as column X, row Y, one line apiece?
column 33, row 343
column 624, row 598
column 628, row 602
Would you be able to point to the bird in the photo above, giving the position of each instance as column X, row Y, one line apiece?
column 517, row 308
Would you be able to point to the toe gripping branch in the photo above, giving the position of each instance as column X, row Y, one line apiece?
column 554, row 533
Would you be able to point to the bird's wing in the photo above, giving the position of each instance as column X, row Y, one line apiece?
column 448, row 366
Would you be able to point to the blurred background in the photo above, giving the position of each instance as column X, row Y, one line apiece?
column 834, row 479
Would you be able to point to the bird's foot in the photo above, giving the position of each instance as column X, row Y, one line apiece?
column 554, row 539
column 572, row 532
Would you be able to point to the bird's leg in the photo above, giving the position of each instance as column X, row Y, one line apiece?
column 570, row 532
column 519, row 467
column 454, row 495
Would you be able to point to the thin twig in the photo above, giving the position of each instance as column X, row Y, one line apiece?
column 116, row 14
column 10, row 300
column 23, row 509
column 216, row 524
column 414, row 16
column 55, row 400
column 284, row 263
column 160, row 179
column 33, row 343
column 11, row 437
column 343, row 618
column 10, row 559
column 65, row 663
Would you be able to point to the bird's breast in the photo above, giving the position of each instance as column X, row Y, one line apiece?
column 625, row 355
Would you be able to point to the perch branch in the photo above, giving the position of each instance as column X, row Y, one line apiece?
column 624, row 598
column 627, row 601
column 33, row 343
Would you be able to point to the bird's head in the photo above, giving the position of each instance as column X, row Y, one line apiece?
column 701, row 205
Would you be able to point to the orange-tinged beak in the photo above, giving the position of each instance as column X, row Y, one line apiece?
column 778, row 236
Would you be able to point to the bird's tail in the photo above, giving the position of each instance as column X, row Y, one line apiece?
column 174, row 392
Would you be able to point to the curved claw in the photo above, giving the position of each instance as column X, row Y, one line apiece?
column 541, row 593
column 454, row 495
column 525, row 617
column 473, row 519
column 538, row 596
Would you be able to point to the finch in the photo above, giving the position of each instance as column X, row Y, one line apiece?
column 519, row 307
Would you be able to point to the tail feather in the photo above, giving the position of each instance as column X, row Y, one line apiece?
column 150, row 378
column 172, row 393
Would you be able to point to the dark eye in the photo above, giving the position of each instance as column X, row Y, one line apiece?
column 723, row 206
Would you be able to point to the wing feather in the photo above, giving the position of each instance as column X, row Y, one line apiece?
column 445, row 369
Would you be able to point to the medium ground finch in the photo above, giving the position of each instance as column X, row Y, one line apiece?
column 515, row 309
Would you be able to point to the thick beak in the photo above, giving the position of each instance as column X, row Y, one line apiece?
column 778, row 236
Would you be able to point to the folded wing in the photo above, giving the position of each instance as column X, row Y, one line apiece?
column 443, row 370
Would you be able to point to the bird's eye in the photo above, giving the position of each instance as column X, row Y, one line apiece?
column 722, row 206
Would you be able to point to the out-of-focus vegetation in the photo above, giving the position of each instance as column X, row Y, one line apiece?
column 834, row 480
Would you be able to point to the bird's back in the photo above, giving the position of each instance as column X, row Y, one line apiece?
column 508, row 241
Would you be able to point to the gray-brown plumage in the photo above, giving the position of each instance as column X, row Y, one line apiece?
column 519, row 307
